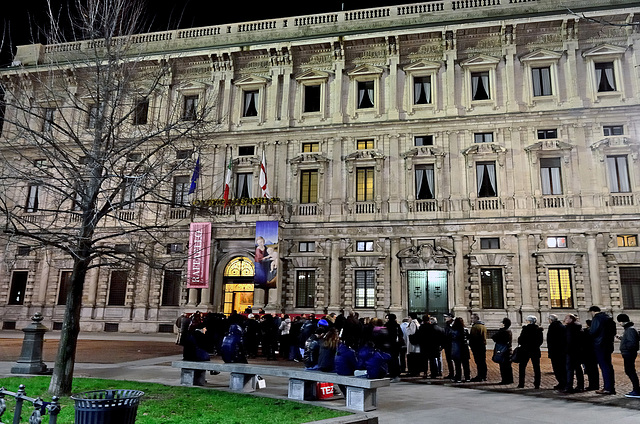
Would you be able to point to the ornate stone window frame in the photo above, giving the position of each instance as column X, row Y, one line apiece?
column 481, row 63
column 308, row 78
column 550, row 148
column 540, row 59
column 365, row 73
column 422, row 68
column 418, row 156
column 618, row 146
column 312, row 161
column 189, row 89
column 601, row 54
column 251, row 83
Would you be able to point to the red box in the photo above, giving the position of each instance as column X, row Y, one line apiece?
column 324, row 390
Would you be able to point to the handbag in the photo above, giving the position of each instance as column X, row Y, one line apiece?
column 516, row 356
column 500, row 353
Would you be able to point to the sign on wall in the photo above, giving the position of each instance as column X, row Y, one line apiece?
column 199, row 251
column 267, row 259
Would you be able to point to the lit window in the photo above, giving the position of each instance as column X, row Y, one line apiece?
column 365, row 288
column 491, row 287
column 627, row 240
column 310, row 147
column 490, row 243
column 364, row 246
column 364, row 184
column 309, row 186
column 364, row 144
column 553, row 242
column 560, row 288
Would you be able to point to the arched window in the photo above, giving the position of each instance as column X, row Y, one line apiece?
column 239, row 267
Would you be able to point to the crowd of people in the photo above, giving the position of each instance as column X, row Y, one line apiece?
column 419, row 346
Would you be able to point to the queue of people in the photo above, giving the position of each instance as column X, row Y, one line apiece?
column 419, row 346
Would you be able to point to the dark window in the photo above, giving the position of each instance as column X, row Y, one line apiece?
column 181, row 191
column 605, row 78
column 424, row 182
column 175, row 248
column 312, row 98
column 422, row 90
column 171, row 288
column 491, row 286
column 305, row 289
column 423, row 140
column 134, row 157
column 483, row 138
column 33, row 198
column 486, row 179
column 609, row 130
column 550, row 176
column 183, row 154
column 630, row 283
column 365, row 288
column 365, row 94
column 250, row 107
column 243, row 185
column 246, row 150
column 190, row 108
column 118, row 288
column 141, row 112
column 490, row 243
column 23, row 251
column 547, row 134
column 129, row 193
column 18, row 287
column 122, row 248
column 47, row 119
column 364, row 246
column 541, row 81
column 63, row 287
column 480, row 86
column 560, row 288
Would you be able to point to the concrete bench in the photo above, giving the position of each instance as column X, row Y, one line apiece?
column 361, row 393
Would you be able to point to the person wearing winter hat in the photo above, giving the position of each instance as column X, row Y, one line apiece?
column 629, row 345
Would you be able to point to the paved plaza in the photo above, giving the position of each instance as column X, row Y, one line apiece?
column 413, row 400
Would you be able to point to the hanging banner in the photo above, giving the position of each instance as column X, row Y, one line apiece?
column 266, row 258
column 199, row 250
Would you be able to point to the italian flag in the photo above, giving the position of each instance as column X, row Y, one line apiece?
column 227, row 183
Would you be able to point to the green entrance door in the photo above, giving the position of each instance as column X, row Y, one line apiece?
column 428, row 293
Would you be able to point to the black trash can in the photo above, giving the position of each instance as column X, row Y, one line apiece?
column 107, row 406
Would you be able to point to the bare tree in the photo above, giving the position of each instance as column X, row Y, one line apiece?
column 88, row 149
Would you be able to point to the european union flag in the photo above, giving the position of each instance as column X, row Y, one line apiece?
column 195, row 176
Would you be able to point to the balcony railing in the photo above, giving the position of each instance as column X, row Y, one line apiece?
column 430, row 205
column 626, row 199
column 489, row 204
column 178, row 213
column 307, row 209
column 551, row 202
column 366, row 207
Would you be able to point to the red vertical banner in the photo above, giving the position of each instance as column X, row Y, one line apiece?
column 199, row 251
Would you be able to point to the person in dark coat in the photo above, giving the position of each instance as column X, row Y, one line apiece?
column 629, row 344
column 269, row 335
column 557, row 350
column 396, row 341
column 430, row 342
column 446, row 345
column 460, row 350
column 251, row 336
column 603, row 331
column 478, row 345
column 530, row 341
column 504, row 336
column 589, row 362
column 574, row 354
column 328, row 350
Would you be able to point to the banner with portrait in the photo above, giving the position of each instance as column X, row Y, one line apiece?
column 199, row 251
column 266, row 259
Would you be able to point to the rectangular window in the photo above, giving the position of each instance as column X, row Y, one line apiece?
column 555, row 241
column 129, row 193
column 312, row 98
column 40, row 163
column 121, row 248
column 250, row 103
column 630, row 283
column 627, row 240
column 246, row 150
column 491, row 287
column 609, row 130
column 118, row 288
column 23, row 251
column 490, row 243
column 483, row 138
column 547, row 134
column 134, row 157
column 141, row 112
column 47, row 119
column 364, row 246
column 309, row 186
column 364, row 144
column 183, row 154
column 550, row 176
column 365, row 94
column 364, row 184
column 33, row 198
column 486, row 179
column 310, row 147
column 171, row 288
column 541, row 81
column 18, row 287
column 605, row 78
column 175, row 248
column 365, row 288
column 305, row 288
column 480, row 86
column 190, row 108
column 560, row 288
column 424, row 182
column 181, row 191
column 618, row 174
column 243, row 185
column 423, row 140
column 63, row 287
column 422, row 90
column 307, row 246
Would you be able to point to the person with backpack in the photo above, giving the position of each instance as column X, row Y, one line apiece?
column 603, row 331
column 629, row 345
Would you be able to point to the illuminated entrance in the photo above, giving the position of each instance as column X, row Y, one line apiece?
column 238, row 285
column 428, row 292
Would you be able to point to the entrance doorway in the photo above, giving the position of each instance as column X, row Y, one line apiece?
column 238, row 285
column 428, row 293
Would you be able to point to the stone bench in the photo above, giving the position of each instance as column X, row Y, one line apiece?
column 361, row 393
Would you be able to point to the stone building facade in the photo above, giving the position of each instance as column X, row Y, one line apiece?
column 465, row 156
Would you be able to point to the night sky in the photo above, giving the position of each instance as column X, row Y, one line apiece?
column 16, row 23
